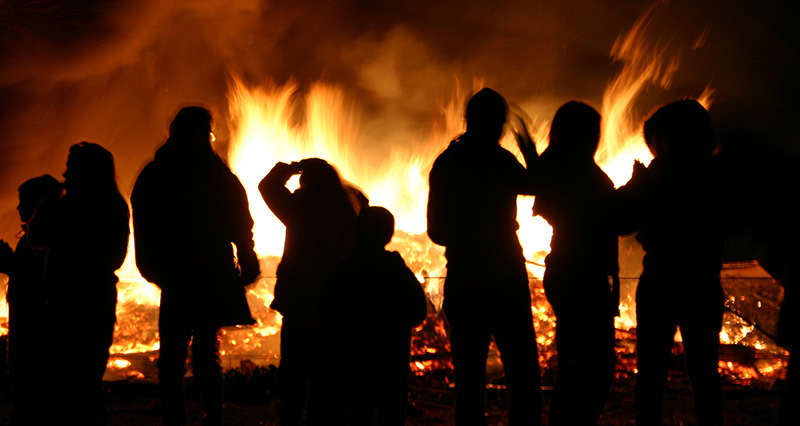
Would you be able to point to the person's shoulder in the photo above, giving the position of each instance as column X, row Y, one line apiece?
column 149, row 169
column 453, row 148
column 394, row 260
column 499, row 151
column 393, row 256
column 602, row 178
column 447, row 159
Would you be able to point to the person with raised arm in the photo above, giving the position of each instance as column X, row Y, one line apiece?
column 472, row 210
column 320, row 221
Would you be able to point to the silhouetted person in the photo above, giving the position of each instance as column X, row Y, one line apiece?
column 778, row 219
column 188, row 211
column 678, row 211
column 320, row 226
column 374, row 291
column 472, row 211
column 86, row 235
column 789, row 320
column 582, row 277
column 29, row 321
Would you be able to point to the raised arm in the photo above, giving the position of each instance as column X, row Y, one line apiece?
column 274, row 192
column 529, row 154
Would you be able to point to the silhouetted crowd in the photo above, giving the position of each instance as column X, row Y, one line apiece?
column 194, row 240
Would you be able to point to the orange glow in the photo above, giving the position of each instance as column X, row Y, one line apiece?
column 272, row 122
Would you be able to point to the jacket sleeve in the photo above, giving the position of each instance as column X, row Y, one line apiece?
column 530, row 179
column 149, row 228
column 242, row 235
column 438, row 205
column 274, row 192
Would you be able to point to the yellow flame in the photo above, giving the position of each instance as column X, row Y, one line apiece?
column 118, row 363
column 271, row 123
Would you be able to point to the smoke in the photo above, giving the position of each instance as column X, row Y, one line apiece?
column 115, row 72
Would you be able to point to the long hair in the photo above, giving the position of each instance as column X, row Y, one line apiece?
column 575, row 132
column 320, row 178
column 90, row 168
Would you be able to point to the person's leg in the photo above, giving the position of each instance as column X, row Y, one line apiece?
column 174, row 335
column 361, row 398
column 586, row 362
column 293, row 373
column 392, row 399
column 789, row 411
column 516, row 340
column 79, row 387
column 205, row 366
column 655, row 333
column 700, row 331
column 469, row 345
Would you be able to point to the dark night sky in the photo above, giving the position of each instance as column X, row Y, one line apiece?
column 114, row 72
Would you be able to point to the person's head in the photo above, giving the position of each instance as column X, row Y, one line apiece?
column 89, row 165
column 34, row 192
column 191, row 128
column 486, row 114
column 575, row 131
column 679, row 131
column 317, row 174
column 374, row 228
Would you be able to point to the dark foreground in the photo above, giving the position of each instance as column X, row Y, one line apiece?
column 250, row 401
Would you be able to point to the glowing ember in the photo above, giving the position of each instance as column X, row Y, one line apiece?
column 270, row 123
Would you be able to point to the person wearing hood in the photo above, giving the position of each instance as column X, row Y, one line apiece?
column 29, row 322
column 189, row 211
column 376, row 290
column 677, row 204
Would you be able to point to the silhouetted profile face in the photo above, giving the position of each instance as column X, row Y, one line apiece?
column 680, row 131
column 374, row 228
column 191, row 128
column 318, row 175
column 575, row 131
column 89, row 166
column 486, row 114
column 35, row 191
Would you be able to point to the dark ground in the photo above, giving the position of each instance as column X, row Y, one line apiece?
column 250, row 401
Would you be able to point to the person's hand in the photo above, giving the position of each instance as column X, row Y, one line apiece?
column 519, row 129
column 297, row 166
column 286, row 170
column 639, row 169
column 523, row 138
column 248, row 268
column 516, row 120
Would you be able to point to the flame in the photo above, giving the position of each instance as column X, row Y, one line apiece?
column 286, row 122
column 271, row 123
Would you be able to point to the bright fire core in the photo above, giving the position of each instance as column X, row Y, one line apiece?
column 271, row 123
